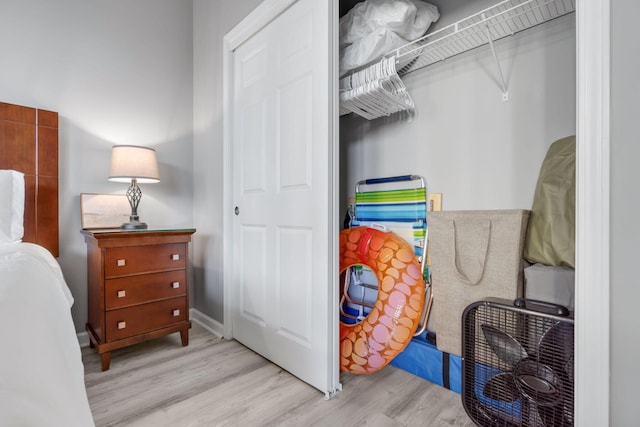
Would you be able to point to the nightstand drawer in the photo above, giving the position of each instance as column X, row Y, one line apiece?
column 127, row 260
column 126, row 322
column 127, row 291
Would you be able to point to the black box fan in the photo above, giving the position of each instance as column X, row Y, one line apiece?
column 517, row 363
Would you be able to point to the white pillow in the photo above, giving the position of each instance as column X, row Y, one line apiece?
column 11, row 206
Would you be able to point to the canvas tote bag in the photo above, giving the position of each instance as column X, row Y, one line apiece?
column 474, row 255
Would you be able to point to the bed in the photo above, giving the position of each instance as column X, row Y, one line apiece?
column 41, row 370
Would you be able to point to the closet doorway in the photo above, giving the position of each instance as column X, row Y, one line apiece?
column 592, row 228
column 592, row 23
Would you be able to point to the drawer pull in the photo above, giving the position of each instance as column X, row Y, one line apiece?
column 175, row 285
column 122, row 294
column 176, row 313
column 121, row 263
column 175, row 257
column 122, row 325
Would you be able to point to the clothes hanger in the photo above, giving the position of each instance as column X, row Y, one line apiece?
column 375, row 91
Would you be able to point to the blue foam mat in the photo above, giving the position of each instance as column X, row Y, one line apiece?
column 423, row 359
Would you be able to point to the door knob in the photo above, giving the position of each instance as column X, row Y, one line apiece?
column 237, row 210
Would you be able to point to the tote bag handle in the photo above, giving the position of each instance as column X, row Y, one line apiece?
column 470, row 246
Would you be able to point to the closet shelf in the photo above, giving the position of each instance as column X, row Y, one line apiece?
column 503, row 19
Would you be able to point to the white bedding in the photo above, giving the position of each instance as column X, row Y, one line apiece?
column 41, row 370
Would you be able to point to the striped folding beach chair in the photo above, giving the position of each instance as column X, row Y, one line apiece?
column 394, row 208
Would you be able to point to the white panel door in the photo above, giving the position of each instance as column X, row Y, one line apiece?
column 283, row 281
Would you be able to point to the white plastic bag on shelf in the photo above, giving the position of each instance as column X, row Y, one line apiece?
column 369, row 48
column 375, row 27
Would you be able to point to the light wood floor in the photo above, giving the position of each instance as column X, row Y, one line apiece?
column 214, row 382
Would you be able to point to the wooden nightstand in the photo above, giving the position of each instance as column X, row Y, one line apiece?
column 137, row 287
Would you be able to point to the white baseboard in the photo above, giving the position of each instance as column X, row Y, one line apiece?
column 209, row 323
column 83, row 339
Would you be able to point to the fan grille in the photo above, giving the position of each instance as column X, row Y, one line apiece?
column 517, row 366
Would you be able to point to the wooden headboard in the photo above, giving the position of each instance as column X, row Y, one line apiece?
column 29, row 144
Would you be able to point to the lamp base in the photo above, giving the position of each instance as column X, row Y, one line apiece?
column 134, row 226
column 134, row 223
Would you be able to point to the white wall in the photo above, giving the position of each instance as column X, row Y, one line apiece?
column 117, row 72
column 625, row 226
column 212, row 20
column 478, row 150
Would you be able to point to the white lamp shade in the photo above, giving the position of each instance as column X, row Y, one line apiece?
column 130, row 161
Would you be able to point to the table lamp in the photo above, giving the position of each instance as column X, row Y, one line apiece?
column 133, row 164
